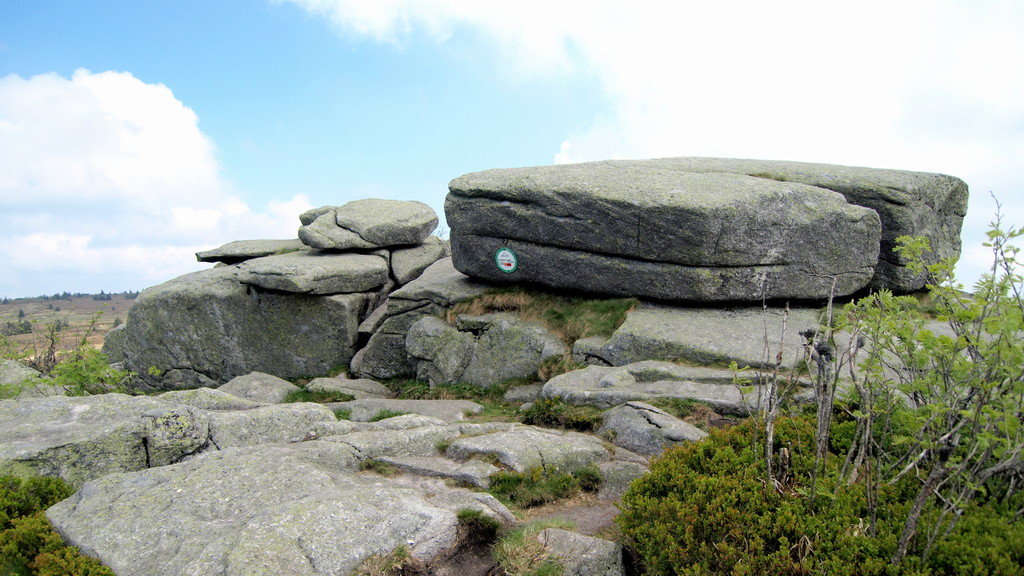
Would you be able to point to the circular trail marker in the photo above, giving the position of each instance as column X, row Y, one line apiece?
column 506, row 260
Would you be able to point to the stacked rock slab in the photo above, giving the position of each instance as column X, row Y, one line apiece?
column 283, row 307
column 703, row 230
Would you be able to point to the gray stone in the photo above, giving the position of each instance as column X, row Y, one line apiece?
column 269, row 424
column 205, row 328
column 208, row 399
column 282, row 509
column 435, row 291
column 525, row 447
column 316, row 272
column 422, row 441
column 20, row 381
column 710, row 335
column 616, row 476
column 588, row 350
column 114, row 343
column 174, row 433
column 408, row 263
column 75, row 438
column 583, row 555
column 610, row 386
column 628, row 229
column 446, row 410
column 645, row 429
column 359, row 388
column 368, row 224
column 480, row 350
column 908, row 203
column 525, row 393
column 260, row 387
column 242, row 250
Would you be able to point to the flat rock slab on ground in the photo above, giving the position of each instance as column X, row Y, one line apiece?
column 446, row 410
column 605, row 386
column 525, row 447
column 709, row 335
column 242, row 250
column 630, row 229
column 292, row 509
column 260, row 387
column 645, row 429
column 359, row 387
column 367, row 224
column 583, row 555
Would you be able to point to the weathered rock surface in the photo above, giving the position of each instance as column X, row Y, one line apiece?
column 606, row 387
column 908, row 203
column 316, row 272
column 20, row 381
column 75, row 438
column 208, row 399
column 282, row 509
column 358, row 388
column 205, row 328
column 408, row 263
column 242, row 250
column 447, row 410
column 525, row 447
column 616, row 476
column 707, row 336
column 480, row 350
column 630, row 229
column 367, row 224
column 260, row 387
column 645, row 429
column 270, row 424
column 439, row 288
column 583, row 555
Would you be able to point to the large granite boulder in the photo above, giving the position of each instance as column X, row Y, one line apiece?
column 481, row 350
column 908, row 203
column 296, row 509
column 436, row 290
column 367, row 224
column 645, row 429
column 205, row 328
column 700, row 229
column 633, row 230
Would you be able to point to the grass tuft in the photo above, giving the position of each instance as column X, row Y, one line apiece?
column 318, row 397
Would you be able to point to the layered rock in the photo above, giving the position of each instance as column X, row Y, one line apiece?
column 686, row 229
column 439, row 288
column 618, row 229
column 367, row 224
column 479, row 350
column 203, row 329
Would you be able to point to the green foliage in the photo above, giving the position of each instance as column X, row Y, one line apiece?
column 556, row 413
column 705, row 509
column 28, row 543
column 492, row 398
column 520, row 553
column 378, row 467
column 477, row 526
column 386, row 413
column 88, row 371
column 319, row 397
column 343, row 413
column 540, row 485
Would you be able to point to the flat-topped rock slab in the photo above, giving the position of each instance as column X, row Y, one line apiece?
column 316, row 272
column 630, row 229
column 242, row 250
column 367, row 224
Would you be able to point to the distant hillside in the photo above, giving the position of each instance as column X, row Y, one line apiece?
column 27, row 321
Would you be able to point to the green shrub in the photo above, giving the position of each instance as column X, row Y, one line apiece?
column 386, row 413
column 539, row 485
column 477, row 526
column 28, row 543
column 378, row 467
column 705, row 509
column 556, row 413
column 318, row 397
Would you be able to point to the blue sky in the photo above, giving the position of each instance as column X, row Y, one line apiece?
column 133, row 134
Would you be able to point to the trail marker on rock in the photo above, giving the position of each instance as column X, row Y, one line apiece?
column 506, row 260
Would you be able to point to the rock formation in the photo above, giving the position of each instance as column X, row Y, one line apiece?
column 700, row 230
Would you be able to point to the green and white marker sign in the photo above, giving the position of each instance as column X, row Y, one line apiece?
column 506, row 260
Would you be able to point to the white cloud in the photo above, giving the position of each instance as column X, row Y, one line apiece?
column 105, row 179
column 920, row 85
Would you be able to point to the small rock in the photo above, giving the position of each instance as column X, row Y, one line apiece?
column 260, row 387
column 583, row 555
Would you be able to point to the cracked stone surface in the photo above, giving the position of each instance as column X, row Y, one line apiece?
column 645, row 429
column 367, row 224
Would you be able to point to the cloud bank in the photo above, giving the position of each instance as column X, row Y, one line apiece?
column 107, row 181
column 917, row 85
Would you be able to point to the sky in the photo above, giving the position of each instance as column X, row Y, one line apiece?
column 134, row 134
